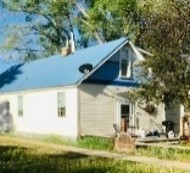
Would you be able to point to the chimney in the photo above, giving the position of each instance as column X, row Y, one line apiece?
column 70, row 46
column 66, row 50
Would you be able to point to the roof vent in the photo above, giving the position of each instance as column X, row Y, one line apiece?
column 85, row 68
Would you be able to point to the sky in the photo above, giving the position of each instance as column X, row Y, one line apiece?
column 7, row 18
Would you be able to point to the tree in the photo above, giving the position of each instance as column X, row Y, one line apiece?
column 47, row 27
column 108, row 19
column 160, row 26
column 167, row 35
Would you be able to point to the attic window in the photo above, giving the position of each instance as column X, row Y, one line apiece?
column 61, row 108
column 125, row 64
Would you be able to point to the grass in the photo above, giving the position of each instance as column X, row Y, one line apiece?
column 165, row 153
column 90, row 142
column 17, row 155
column 98, row 143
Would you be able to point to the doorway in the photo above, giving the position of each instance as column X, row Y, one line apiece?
column 124, row 116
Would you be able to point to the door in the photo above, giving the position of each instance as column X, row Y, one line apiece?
column 124, row 116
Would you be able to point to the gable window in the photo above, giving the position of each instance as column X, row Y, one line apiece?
column 20, row 105
column 125, row 64
column 61, row 108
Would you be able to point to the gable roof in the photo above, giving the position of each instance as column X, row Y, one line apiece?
column 57, row 70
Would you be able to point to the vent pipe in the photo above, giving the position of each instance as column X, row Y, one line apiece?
column 70, row 46
column 72, row 43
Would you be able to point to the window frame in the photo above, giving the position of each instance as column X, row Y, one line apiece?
column 125, row 58
column 20, row 106
column 61, row 104
column 7, row 106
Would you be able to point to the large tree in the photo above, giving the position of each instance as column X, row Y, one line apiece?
column 110, row 19
column 160, row 26
column 47, row 26
column 167, row 35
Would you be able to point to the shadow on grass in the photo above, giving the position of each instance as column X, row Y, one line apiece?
column 68, row 155
column 11, row 153
column 15, row 159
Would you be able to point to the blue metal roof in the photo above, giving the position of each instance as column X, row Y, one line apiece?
column 57, row 70
column 4, row 65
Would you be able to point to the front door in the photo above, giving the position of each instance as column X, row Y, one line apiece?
column 124, row 116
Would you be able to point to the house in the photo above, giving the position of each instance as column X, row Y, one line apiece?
column 76, row 95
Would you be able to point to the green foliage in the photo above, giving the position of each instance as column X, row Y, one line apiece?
column 48, row 25
column 166, row 34
column 110, row 19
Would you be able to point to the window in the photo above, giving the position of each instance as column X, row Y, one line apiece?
column 125, row 64
column 7, row 107
column 61, row 109
column 124, row 67
column 20, row 106
column 125, row 110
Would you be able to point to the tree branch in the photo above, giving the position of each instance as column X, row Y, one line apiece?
column 93, row 30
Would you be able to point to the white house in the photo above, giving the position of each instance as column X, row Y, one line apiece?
column 75, row 95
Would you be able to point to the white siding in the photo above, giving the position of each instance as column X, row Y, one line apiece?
column 40, row 112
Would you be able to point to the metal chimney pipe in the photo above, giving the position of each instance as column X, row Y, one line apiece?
column 72, row 43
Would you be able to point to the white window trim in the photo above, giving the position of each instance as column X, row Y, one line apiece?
column 65, row 114
column 131, row 112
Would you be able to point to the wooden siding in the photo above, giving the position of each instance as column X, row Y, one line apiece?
column 149, row 122
column 97, row 111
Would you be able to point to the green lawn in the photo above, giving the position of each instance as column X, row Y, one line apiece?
column 17, row 155
column 165, row 153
